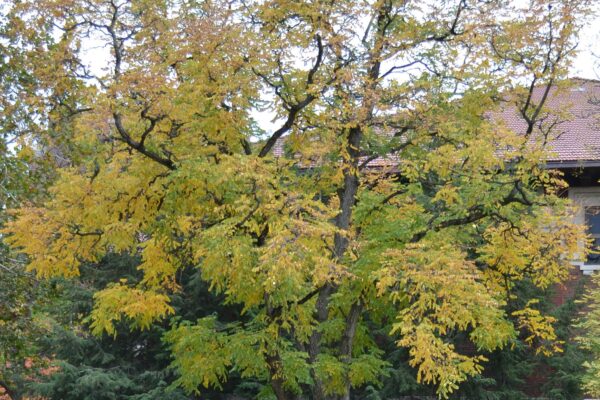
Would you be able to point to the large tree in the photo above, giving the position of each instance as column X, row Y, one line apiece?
column 389, row 200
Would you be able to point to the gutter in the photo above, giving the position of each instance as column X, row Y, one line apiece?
column 573, row 164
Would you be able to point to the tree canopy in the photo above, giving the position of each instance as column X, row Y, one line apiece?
column 386, row 196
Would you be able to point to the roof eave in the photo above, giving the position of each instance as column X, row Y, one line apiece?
column 573, row 164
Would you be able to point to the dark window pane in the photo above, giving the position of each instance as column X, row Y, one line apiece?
column 592, row 220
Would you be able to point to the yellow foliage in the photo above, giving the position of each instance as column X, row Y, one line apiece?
column 443, row 292
column 140, row 307
column 539, row 330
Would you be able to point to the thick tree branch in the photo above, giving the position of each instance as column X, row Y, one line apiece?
column 139, row 146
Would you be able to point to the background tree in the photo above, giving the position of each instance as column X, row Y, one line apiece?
column 23, row 177
column 134, row 365
column 397, row 203
column 588, row 339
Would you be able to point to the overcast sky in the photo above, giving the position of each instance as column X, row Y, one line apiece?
column 587, row 65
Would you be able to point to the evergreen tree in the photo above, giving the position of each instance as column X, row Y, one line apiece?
column 131, row 365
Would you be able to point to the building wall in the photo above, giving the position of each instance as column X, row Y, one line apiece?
column 584, row 196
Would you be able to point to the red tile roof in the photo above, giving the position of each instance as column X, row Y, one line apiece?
column 576, row 137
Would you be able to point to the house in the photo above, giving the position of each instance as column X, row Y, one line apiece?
column 575, row 151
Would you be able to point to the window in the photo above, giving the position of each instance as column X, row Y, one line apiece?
column 592, row 220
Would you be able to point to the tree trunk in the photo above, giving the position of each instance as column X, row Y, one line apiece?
column 277, row 382
column 347, row 195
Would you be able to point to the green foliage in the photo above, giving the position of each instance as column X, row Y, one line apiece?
column 567, row 368
column 589, row 324
column 132, row 365
column 23, row 178
column 21, row 324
